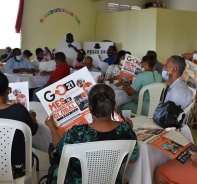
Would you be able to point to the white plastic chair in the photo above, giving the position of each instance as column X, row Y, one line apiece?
column 156, row 96
column 186, row 111
column 100, row 161
column 7, row 130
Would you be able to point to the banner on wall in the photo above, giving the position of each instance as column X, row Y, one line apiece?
column 99, row 48
column 61, row 10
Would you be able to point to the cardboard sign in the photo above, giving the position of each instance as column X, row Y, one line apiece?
column 99, row 48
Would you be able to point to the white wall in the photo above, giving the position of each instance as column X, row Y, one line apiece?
column 188, row 5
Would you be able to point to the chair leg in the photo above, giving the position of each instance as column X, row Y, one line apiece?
column 37, row 161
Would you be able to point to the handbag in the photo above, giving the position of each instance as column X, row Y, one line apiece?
column 54, row 157
column 168, row 114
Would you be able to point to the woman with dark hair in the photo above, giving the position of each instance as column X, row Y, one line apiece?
column 113, row 70
column 27, row 54
column 149, row 76
column 16, row 112
column 101, row 104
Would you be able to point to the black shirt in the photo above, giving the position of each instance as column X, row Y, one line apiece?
column 20, row 113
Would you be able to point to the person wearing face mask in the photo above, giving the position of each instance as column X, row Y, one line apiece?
column 18, row 64
column 78, row 62
column 67, row 46
column 149, row 76
column 39, row 58
column 113, row 71
column 59, row 73
column 178, row 92
column 111, row 53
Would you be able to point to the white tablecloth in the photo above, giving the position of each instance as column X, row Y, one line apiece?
column 42, row 138
column 121, row 96
column 141, row 172
column 33, row 81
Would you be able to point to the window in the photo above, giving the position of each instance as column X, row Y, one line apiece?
column 121, row 7
column 8, row 14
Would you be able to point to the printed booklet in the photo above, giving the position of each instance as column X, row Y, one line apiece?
column 67, row 100
column 130, row 69
column 19, row 93
column 170, row 142
column 190, row 74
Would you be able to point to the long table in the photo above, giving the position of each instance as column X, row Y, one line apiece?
column 33, row 81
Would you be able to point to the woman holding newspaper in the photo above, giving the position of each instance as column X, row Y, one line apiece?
column 17, row 112
column 101, row 100
column 148, row 76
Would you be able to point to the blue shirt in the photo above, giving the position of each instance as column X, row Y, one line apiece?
column 110, row 61
column 179, row 93
column 13, row 64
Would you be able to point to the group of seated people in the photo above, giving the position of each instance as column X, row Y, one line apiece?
column 101, row 104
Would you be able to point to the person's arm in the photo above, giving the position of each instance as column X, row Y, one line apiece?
column 30, row 67
column 43, row 73
column 72, row 46
column 52, row 126
column 129, row 90
column 9, row 67
column 194, row 157
column 187, row 56
column 7, row 58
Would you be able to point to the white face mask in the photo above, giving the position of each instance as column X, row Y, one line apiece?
column 122, row 62
column 142, row 69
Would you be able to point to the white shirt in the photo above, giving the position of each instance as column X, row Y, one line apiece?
column 36, row 63
column 179, row 93
column 70, row 53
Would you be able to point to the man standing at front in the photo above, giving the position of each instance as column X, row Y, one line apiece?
column 178, row 92
column 68, row 46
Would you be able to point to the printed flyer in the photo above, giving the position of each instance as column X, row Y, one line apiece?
column 67, row 100
column 171, row 142
column 190, row 74
column 130, row 69
column 19, row 93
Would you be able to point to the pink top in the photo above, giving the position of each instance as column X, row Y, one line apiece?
column 77, row 63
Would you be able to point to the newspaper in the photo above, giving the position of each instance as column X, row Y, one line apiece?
column 130, row 69
column 67, row 100
column 171, row 142
column 19, row 93
column 190, row 74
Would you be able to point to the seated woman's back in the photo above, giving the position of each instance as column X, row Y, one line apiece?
column 102, row 103
column 16, row 112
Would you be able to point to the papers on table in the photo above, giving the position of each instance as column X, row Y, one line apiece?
column 47, row 66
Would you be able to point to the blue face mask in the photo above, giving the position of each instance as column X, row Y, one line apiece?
column 165, row 75
column 19, row 57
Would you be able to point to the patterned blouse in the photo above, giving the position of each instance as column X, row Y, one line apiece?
column 112, row 71
column 83, row 133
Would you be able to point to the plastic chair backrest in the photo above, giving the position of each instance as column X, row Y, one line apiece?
column 156, row 96
column 100, row 161
column 7, row 130
column 186, row 111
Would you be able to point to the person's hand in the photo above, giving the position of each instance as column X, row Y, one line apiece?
column 100, row 79
column 33, row 115
column 193, row 157
column 70, row 45
column 187, row 56
column 43, row 73
column 21, row 70
column 50, row 122
column 129, row 121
